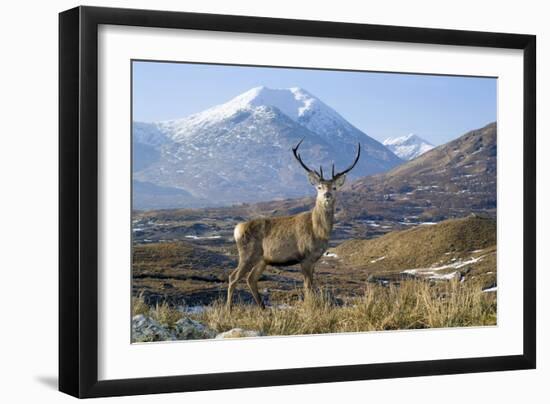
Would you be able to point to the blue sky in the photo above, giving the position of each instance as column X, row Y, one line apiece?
column 437, row 108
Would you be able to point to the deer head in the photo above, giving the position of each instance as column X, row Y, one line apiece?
column 326, row 188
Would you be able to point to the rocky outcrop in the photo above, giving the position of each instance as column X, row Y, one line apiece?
column 145, row 329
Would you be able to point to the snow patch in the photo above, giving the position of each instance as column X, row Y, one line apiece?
column 456, row 264
column 193, row 237
column 445, row 277
column 408, row 147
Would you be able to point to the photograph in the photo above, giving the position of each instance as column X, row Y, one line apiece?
column 224, row 202
column 277, row 201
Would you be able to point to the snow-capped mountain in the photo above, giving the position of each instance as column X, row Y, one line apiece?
column 296, row 103
column 240, row 151
column 408, row 147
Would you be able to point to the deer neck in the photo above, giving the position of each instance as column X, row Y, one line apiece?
column 322, row 217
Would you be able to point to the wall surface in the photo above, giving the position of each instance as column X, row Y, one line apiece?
column 28, row 162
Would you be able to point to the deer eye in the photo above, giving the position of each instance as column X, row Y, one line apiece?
column 334, row 188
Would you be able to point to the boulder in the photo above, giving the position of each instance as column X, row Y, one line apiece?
column 186, row 328
column 145, row 329
column 239, row 333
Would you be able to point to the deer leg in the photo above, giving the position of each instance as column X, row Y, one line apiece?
column 307, row 271
column 252, row 281
column 245, row 265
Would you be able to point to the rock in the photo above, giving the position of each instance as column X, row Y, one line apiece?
column 186, row 328
column 239, row 333
column 145, row 329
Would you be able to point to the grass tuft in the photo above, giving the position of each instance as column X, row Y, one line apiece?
column 162, row 313
column 139, row 306
column 165, row 314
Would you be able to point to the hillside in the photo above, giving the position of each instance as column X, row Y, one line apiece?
column 474, row 152
column 445, row 245
column 452, row 180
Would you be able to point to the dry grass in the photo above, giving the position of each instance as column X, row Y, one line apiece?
column 413, row 304
column 163, row 312
column 139, row 306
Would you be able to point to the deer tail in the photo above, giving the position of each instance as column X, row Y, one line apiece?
column 239, row 232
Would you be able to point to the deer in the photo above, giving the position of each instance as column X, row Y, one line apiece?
column 282, row 241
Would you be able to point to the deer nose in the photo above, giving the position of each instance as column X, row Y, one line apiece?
column 328, row 195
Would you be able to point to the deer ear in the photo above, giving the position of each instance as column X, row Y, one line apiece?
column 340, row 181
column 313, row 178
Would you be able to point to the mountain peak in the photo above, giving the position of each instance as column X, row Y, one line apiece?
column 402, row 139
column 293, row 102
column 409, row 146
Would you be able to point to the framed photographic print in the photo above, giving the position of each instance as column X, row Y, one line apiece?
column 251, row 201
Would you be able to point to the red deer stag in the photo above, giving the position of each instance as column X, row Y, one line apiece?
column 288, row 240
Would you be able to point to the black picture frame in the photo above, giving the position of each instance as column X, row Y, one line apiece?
column 78, row 201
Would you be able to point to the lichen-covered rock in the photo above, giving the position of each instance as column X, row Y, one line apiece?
column 239, row 333
column 145, row 329
column 186, row 328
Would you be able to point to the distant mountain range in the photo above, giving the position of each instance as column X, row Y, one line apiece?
column 240, row 151
column 408, row 147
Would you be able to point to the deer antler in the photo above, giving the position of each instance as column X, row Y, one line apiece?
column 299, row 158
column 347, row 170
column 319, row 173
